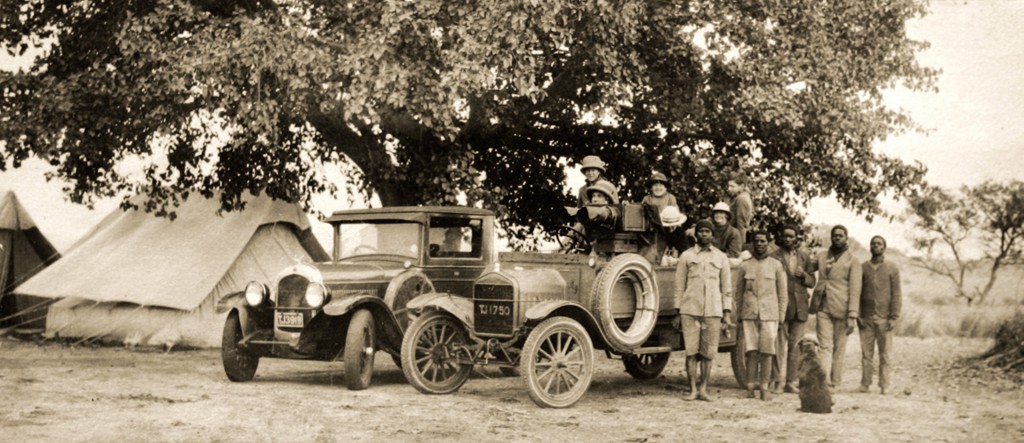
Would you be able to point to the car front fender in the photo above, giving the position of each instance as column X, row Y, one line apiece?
column 387, row 324
column 575, row 311
column 459, row 307
column 230, row 301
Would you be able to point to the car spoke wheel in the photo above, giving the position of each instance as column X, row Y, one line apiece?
column 238, row 364
column 360, row 342
column 645, row 366
column 430, row 354
column 557, row 362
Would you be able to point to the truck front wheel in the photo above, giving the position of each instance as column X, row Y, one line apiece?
column 430, row 354
column 557, row 363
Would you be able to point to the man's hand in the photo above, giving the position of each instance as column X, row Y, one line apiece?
column 727, row 320
column 850, row 323
column 891, row 324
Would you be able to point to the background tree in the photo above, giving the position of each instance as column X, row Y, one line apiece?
column 421, row 102
column 988, row 217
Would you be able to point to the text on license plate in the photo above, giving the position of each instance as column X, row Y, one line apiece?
column 289, row 319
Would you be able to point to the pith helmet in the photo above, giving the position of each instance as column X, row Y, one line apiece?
column 605, row 188
column 670, row 217
column 722, row 207
column 592, row 162
column 657, row 177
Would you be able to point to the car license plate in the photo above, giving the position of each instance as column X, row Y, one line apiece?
column 290, row 319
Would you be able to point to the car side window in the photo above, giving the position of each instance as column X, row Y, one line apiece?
column 455, row 237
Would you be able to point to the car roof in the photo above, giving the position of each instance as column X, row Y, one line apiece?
column 407, row 213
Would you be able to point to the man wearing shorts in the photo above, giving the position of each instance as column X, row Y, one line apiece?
column 703, row 291
column 761, row 298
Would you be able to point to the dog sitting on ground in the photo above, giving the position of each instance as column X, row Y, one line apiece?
column 814, row 394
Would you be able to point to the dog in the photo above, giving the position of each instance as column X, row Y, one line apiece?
column 814, row 394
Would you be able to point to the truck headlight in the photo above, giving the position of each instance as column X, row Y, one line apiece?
column 316, row 294
column 255, row 293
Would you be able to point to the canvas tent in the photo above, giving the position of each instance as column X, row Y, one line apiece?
column 24, row 251
column 144, row 279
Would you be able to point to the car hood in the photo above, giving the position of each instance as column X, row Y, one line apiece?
column 374, row 271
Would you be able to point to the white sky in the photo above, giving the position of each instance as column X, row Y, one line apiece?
column 974, row 122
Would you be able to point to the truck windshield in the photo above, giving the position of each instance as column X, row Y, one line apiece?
column 379, row 238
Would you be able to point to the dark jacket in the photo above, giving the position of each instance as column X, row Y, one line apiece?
column 798, row 295
column 727, row 239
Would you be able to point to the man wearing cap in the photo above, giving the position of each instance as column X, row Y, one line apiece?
column 836, row 302
column 726, row 238
column 703, row 292
column 800, row 278
column 742, row 205
column 761, row 298
column 880, row 305
column 593, row 170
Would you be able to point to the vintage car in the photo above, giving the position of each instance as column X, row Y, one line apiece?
column 546, row 313
column 355, row 304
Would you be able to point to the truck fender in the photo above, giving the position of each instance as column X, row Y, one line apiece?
column 459, row 307
column 575, row 311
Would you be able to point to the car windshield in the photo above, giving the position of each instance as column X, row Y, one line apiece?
column 370, row 238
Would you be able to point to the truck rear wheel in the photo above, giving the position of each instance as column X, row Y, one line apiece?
column 360, row 342
column 627, row 282
column 557, row 362
column 645, row 366
column 430, row 354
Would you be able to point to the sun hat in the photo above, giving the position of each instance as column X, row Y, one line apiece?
column 657, row 177
column 671, row 217
column 606, row 188
column 592, row 162
column 722, row 207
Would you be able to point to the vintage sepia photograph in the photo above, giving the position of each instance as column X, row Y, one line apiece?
column 511, row 221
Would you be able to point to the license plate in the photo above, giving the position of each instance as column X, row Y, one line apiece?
column 493, row 317
column 289, row 319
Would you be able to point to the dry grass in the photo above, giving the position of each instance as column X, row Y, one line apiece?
column 930, row 308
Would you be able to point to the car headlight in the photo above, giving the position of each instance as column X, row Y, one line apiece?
column 316, row 294
column 255, row 293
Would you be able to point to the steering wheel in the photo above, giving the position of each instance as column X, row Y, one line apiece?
column 364, row 250
column 572, row 241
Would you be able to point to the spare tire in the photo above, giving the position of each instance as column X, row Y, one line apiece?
column 626, row 289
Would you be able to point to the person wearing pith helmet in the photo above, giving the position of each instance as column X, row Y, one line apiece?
column 726, row 238
column 593, row 169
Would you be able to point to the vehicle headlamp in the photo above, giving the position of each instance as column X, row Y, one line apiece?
column 255, row 293
column 316, row 294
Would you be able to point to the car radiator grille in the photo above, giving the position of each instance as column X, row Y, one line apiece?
column 291, row 291
column 493, row 309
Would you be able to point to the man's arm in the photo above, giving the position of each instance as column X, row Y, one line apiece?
column 741, row 288
column 808, row 279
column 856, row 283
column 681, row 275
column 725, row 277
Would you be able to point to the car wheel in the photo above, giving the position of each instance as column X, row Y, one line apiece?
column 430, row 353
column 645, row 366
column 238, row 364
column 359, row 349
column 557, row 362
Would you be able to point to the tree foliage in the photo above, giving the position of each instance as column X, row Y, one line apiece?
column 988, row 217
column 428, row 100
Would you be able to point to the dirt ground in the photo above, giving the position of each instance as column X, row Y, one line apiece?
column 51, row 392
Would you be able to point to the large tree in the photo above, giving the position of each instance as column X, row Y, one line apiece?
column 423, row 101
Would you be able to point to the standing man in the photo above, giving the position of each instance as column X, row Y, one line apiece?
column 836, row 302
column 726, row 238
column 799, row 278
column 742, row 205
column 593, row 169
column 704, row 293
column 761, row 299
column 880, row 306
